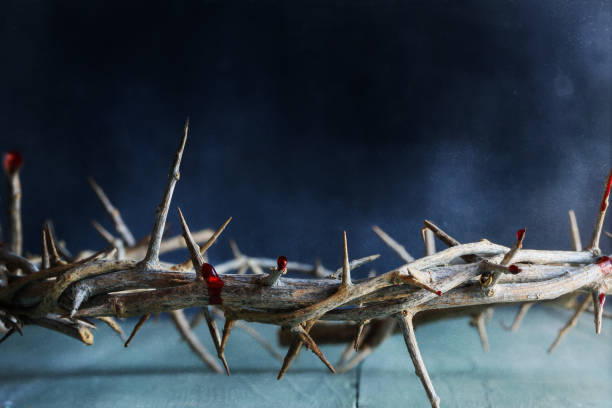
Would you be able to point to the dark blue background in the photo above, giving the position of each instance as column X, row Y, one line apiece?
column 310, row 117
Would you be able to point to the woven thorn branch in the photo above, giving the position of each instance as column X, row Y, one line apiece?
column 60, row 292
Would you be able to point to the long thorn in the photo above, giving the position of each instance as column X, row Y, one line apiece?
column 112, row 323
column 571, row 323
column 518, row 244
column 197, row 319
column 196, row 258
column 201, row 251
column 151, row 259
column 576, row 242
column 520, row 315
column 346, row 267
column 418, row 281
column 250, row 331
column 378, row 331
column 394, row 245
column 448, row 240
column 178, row 317
column 346, row 354
column 54, row 255
column 601, row 215
column 442, row 236
column 479, row 320
column 599, row 300
column 214, row 237
column 110, row 238
column 189, row 262
column 120, row 226
column 214, row 334
column 359, row 335
column 260, row 339
column 227, row 329
column 46, row 260
column 354, row 264
column 142, row 321
column 361, row 355
column 80, row 295
column 12, row 163
column 294, row 350
column 405, row 321
column 310, row 343
column 7, row 335
column 429, row 241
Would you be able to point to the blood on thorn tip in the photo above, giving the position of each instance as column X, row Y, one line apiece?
column 605, row 264
column 214, row 283
column 514, row 269
column 13, row 160
column 520, row 234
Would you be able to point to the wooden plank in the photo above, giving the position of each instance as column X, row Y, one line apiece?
column 158, row 370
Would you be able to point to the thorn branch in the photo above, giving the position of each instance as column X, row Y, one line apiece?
column 405, row 322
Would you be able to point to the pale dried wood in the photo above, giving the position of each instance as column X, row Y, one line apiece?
column 405, row 321
column 120, row 226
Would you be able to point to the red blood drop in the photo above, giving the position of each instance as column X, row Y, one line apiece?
column 514, row 269
column 13, row 161
column 605, row 264
column 208, row 271
column 214, row 283
column 602, row 299
column 604, row 201
column 281, row 262
column 439, row 293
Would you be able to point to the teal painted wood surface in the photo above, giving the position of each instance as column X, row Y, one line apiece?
column 44, row 369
